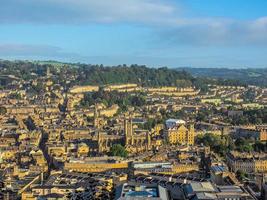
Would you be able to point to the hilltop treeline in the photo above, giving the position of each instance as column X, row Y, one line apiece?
column 141, row 75
column 85, row 74
column 99, row 74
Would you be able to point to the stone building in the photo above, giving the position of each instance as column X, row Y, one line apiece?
column 177, row 132
column 249, row 163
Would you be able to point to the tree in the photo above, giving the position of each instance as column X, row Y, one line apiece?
column 250, row 95
column 215, row 142
column 240, row 141
column 203, row 115
column 259, row 146
column 150, row 124
column 243, row 144
column 15, row 95
column 241, row 175
column 231, row 144
column 3, row 110
column 118, row 150
column 138, row 100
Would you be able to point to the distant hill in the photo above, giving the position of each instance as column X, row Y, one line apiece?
column 86, row 74
column 246, row 76
column 142, row 75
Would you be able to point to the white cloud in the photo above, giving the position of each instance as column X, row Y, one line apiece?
column 83, row 11
column 217, row 32
column 161, row 15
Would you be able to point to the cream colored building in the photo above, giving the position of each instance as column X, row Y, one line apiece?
column 249, row 163
column 180, row 134
column 83, row 89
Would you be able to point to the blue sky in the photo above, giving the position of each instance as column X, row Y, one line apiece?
column 174, row 33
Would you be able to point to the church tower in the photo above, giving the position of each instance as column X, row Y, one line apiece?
column 128, row 131
column 96, row 118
